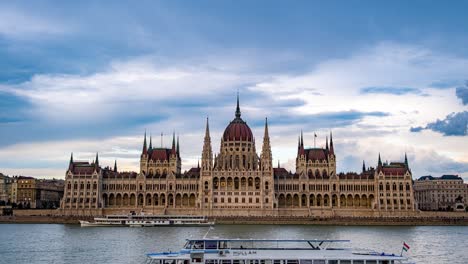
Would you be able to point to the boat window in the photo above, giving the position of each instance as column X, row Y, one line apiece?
column 266, row 261
column 319, row 261
column 182, row 261
column 168, row 261
column 332, row 261
column 306, row 261
column 276, row 261
column 211, row 261
column 210, row 244
column 371, row 261
column 225, row 261
column 292, row 261
column 358, row 261
column 345, row 261
column 198, row 245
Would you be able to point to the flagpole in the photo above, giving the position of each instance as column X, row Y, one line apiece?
column 401, row 253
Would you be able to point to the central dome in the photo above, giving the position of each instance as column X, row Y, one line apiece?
column 238, row 130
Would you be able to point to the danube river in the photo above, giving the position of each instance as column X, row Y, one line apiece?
column 42, row 243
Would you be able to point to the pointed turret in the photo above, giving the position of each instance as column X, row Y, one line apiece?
column 326, row 143
column 70, row 165
column 278, row 164
column 115, row 166
column 151, row 143
column 207, row 154
column 332, row 150
column 177, row 147
column 406, row 161
column 96, row 162
column 266, row 156
column 302, row 140
column 363, row 166
column 380, row 161
column 173, row 149
column 145, row 150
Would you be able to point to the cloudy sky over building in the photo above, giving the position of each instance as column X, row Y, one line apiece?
column 82, row 77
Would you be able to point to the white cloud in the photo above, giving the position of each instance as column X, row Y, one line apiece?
column 331, row 86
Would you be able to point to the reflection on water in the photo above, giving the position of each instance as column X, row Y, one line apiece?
column 33, row 243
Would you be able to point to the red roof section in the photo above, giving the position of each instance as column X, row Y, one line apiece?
column 160, row 154
column 316, row 154
column 238, row 130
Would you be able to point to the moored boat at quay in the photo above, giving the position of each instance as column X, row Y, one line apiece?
column 148, row 220
column 269, row 251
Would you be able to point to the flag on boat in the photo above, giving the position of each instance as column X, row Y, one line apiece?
column 405, row 247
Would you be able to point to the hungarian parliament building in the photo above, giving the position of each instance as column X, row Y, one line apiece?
column 237, row 181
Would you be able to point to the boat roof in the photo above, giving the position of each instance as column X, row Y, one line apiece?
column 270, row 240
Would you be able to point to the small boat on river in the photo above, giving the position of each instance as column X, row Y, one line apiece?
column 269, row 251
column 148, row 220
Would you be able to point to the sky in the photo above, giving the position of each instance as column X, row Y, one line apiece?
column 388, row 77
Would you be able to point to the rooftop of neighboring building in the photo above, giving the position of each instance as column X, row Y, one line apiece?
column 443, row 177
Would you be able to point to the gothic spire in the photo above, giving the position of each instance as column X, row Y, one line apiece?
column 406, row 161
column 70, row 165
column 177, row 147
column 380, row 161
column 266, row 149
column 207, row 154
column 326, row 143
column 266, row 134
column 363, row 166
column 332, row 150
column 302, row 140
column 145, row 150
column 238, row 112
column 151, row 143
column 97, row 159
column 115, row 166
column 173, row 149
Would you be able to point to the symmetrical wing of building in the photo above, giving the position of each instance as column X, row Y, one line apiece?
column 237, row 181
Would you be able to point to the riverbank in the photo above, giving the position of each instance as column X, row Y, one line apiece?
column 338, row 221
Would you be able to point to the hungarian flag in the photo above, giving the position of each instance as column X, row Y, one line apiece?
column 405, row 247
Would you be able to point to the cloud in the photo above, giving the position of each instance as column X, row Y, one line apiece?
column 390, row 90
column 455, row 124
column 462, row 94
column 18, row 24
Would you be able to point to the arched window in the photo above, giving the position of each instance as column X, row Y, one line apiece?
column 206, row 185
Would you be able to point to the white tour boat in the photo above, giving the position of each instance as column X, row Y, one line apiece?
column 146, row 220
column 266, row 251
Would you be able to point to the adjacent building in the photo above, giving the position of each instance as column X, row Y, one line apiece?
column 5, row 188
column 238, row 181
column 29, row 192
column 447, row 192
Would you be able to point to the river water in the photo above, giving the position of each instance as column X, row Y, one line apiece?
column 43, row 243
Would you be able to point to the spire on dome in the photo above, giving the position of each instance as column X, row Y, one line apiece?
column 238, row 112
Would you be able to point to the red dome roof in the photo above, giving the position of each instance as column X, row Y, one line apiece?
column 238, row 130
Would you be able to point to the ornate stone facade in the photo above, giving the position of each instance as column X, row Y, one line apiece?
column 441, row 193
column 238, row 179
